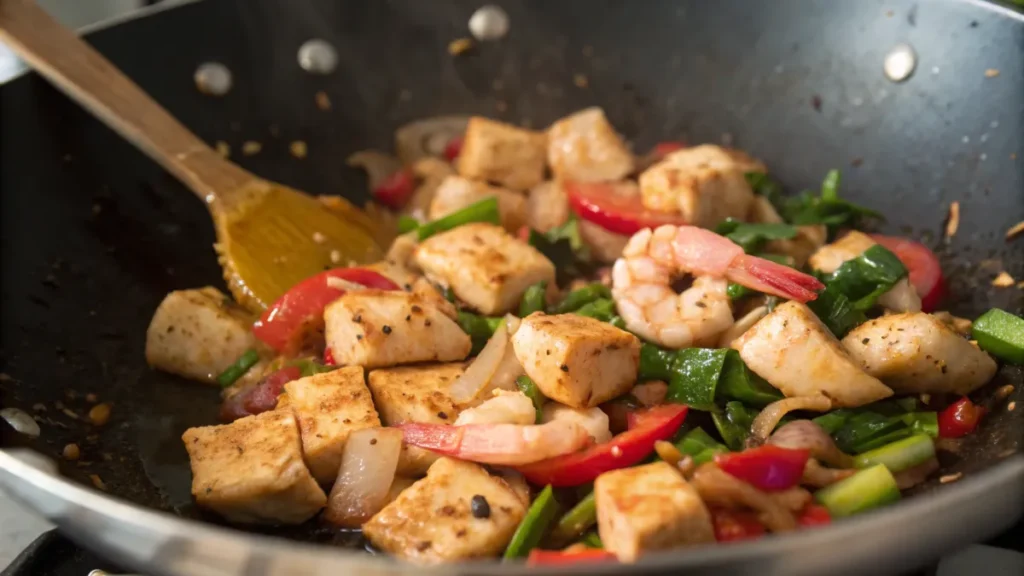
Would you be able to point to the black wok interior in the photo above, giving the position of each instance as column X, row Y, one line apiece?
column 94, row 234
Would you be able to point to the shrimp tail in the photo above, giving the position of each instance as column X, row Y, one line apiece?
column 773, row 278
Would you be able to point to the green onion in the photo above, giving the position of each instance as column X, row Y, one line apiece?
column 699, row 445
column 528, row 387
column 407, row 224
column 577, row 520
column 602, row 309
column 1001, row 334
column 592, row 540
column 533, row 299
column 830, row 186
column 751, row 237
column 577, row 298
column 900, row 455
column 239, row 368
column 867, row 489
column 310, row 367
column 734, row 424
column 534, row 525
column 864, row 278
column 485, row 210
column 479, row 328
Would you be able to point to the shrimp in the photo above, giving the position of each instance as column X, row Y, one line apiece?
column 641, row 284
column 500, row 444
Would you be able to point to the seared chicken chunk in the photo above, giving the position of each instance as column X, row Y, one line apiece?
column 900, row 298
column 252, row 470
column 329, row 406
column 198, row 334
column 502, row 153
column 796, row 353
column 578, row 361
column 584, row 147
column 375, row 328
column 484, row 266
column 706, row 184
column 918, row 353
column 593, row 420
column 431, row 522
column 547, row 206
column 456, row 192
column 648, row 508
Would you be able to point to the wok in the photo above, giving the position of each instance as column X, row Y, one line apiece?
column 94, row 234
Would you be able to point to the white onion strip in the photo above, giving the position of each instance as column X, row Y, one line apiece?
column 769, row 418
column 365, row 477
column 495, row 367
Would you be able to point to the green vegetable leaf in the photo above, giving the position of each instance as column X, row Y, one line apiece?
column 578, row 298
column 565, row 248
column 836, row 311
column 734, row 424
column 869, row 427
column 602, row 309
column 407, row 224
column 764, row 185
column 737, row 382
column 700, row 446
column 533, row 299
column 864, row 278
column 311, row 367
column 827, row 208
column 751, row 237
column 695, row 373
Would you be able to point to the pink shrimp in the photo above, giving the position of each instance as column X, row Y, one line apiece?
column 500, row 444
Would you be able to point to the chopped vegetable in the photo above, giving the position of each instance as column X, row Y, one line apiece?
column 924, row 267
column 751, row 237
column 483, row 368
column 453, row 148
column 655, row 363
column 768, row 468
column 614, row 209
column 814, row 515
column 479, row 328
column 736, row 525
column 626, row 449
column 485, row 210
column 700, row 446
column 836, row 311
column 900, row 455
column 737, row 382
column 867, row 489
column 960, row 418
column 602, row 309
column 239, row 368
column 827, row 208
column 528, row 387
column 578, row 520
column 310, row 367
column 534, row 525
column 694, row 377
column 577, row 298
column 734, row 424
column 773, row 414
column 407, row 224
column 1001, row 334
column 876, row 425
column 563, row 245
column 556, row 558
column 764, row 185
column 260, row 398
column 592, row 540
column 736, row 291
column 533, row 299
column 699, row 376
column 367, row 470
column 395, row 190
column 864, row 278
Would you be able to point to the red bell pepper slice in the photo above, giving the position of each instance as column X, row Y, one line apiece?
column 301, row 308
column 814, row 515
column 540, row 557
column 329, row 357
column 261, row 397
column 662, row 149
column 395, row 190
column 960, row 418
column 626, row 449
column 736, row 525
column 768, row 467
column 616, row 208
column 923, row 266
column 453, row 148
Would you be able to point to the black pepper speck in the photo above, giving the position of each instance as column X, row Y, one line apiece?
column 481, row 509
column 564, row 368
column 386, row 329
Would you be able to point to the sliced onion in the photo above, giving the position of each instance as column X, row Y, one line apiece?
column 479, row 373
column 398, row 485
column 509, row 368
column 428, row 137
column 378, row 166
column 515, row 481
column 365, row 477
column 505, row 408
column 913, row 476
column 769, row 418
column 805, row 434
column 818, row 476
column 721, row 489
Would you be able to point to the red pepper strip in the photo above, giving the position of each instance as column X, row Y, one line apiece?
column 261, row 397
column 923, row 266
column 395, row 190
column 626, row 449
column 616, row 208
column 301, row 308
column 329, row 357
column 768, row 468
column 540, row 557
column 453, row 148
column 736, row 525
column 960, row 418
column 662, row 149
column 814, row 515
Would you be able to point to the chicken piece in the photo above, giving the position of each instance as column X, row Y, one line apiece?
column 916, row 353
column 396, row 271
column 578, row 361
column 584, row 147
column 547, row 206
column 416, row 393
column 198, row 334
column 251, row 471
column 796, row 353
column 485, row 267
column 432, row 522
column 425, row 289
column 706, row 184
column 505, row 407
column 456, row 192
column 507, row 155
column 808, row 238
column 648, row 508
column 604, row 246
column 378, row 328
column 902, row 297
column 329, row 406
column 593, row 420
column 431, row 172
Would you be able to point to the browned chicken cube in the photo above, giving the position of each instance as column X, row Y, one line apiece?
column 252, row 471
column 456, row 192
column 584, row 147
column 432, row 521
column 501, row 153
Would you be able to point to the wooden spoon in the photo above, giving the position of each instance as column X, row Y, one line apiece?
column 269, row 236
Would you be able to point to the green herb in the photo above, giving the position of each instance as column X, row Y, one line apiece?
column 533, row 299
column 864, row 278
column 564, row 247
column 699, row 377
column 602, row 309
column 655, row 363
column 836, row 311
column 485, row 210
column 577, row 520
column 311, row 367
column 407, row 224
column 694, row 377
column 479, row 328
column 826, row 208
column 737, row 382
column 699, row 445
column 751, row 237
column 734, row 424
column 869, row 427
column 764, row 185
column 534, row 525
column 239, row 368
column 577, row 298
column 528, row 387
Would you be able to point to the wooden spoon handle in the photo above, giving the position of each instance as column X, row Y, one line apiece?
column 91, row 80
